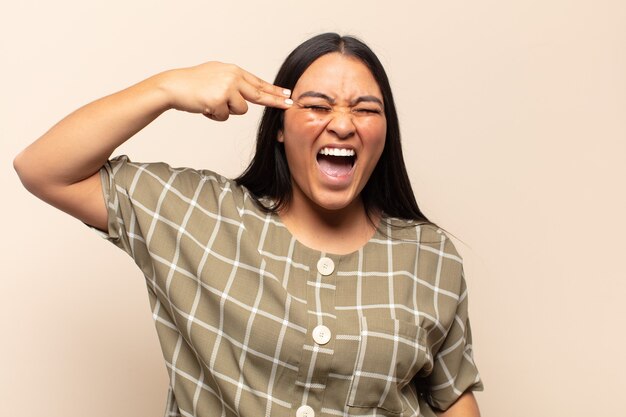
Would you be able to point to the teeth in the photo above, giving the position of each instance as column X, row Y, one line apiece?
column 336, row 152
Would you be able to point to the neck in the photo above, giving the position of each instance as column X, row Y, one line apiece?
column 335, row 231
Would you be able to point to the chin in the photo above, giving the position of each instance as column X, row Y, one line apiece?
column 335, row 204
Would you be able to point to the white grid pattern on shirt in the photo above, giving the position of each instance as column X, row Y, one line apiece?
column 133, row 240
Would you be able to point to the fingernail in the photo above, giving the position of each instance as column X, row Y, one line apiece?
column 288, row 101
column 287, row 92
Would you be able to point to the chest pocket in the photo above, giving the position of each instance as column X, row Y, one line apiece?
column 390, row 353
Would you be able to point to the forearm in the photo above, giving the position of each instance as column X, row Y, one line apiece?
column 80, row 144
column 465, row 406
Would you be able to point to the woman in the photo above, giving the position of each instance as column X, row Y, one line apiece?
column 312, row 284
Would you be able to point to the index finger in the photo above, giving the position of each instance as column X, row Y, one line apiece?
column 258, row 91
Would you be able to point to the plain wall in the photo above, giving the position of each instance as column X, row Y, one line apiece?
column 513, row 117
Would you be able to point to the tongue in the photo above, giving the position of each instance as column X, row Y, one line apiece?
column 335, row 166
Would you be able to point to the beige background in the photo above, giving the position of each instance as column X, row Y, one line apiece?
column 514, row 123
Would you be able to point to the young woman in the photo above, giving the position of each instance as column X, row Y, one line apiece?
column 312, row 285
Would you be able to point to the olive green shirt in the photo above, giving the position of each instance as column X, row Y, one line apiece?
column 254, row 323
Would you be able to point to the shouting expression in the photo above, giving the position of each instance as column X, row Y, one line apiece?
column 334, row 133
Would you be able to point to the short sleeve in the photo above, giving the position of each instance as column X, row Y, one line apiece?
column 454, row 371
column 150, row 204
column 113, row 178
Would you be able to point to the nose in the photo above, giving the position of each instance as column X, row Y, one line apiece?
column 341, row 124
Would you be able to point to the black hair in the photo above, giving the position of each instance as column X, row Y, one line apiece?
column 268, row 176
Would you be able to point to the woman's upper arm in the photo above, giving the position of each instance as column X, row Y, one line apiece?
column 83, row 199
column 465, row 406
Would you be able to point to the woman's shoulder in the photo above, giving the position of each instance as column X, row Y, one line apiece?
column 122, row 166
column 186, row 182
column 163, row 170
column 424, row 234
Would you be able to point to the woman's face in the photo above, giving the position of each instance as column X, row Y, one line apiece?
column 334, row 133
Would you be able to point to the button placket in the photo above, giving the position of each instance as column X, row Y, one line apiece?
column 318, row 352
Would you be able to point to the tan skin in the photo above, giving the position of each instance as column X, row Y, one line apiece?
column 326, row 212
column 323, row 214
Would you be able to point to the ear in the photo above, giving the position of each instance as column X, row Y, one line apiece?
column 280, row 137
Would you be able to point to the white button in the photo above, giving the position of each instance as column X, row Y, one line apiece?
column 321, row 335
column 305, row 411
column 326, row 266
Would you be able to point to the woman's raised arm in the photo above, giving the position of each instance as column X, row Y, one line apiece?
column 61, row 167
column 465, row 406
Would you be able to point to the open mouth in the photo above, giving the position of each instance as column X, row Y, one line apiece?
column 336, row 162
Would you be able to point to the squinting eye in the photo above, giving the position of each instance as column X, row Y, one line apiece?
column 318, row 108
column 367, row 111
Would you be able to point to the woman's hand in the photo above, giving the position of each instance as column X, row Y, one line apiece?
column 218, row 90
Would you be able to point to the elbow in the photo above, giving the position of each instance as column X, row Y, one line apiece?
column 25, row 170
column 19, row 165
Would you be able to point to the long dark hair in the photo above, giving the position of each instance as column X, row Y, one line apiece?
column 388, row 189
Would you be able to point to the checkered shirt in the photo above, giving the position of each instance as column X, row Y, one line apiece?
column 253, row 323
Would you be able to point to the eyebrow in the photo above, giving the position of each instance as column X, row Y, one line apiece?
column 367, row 98
column 317, row 94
